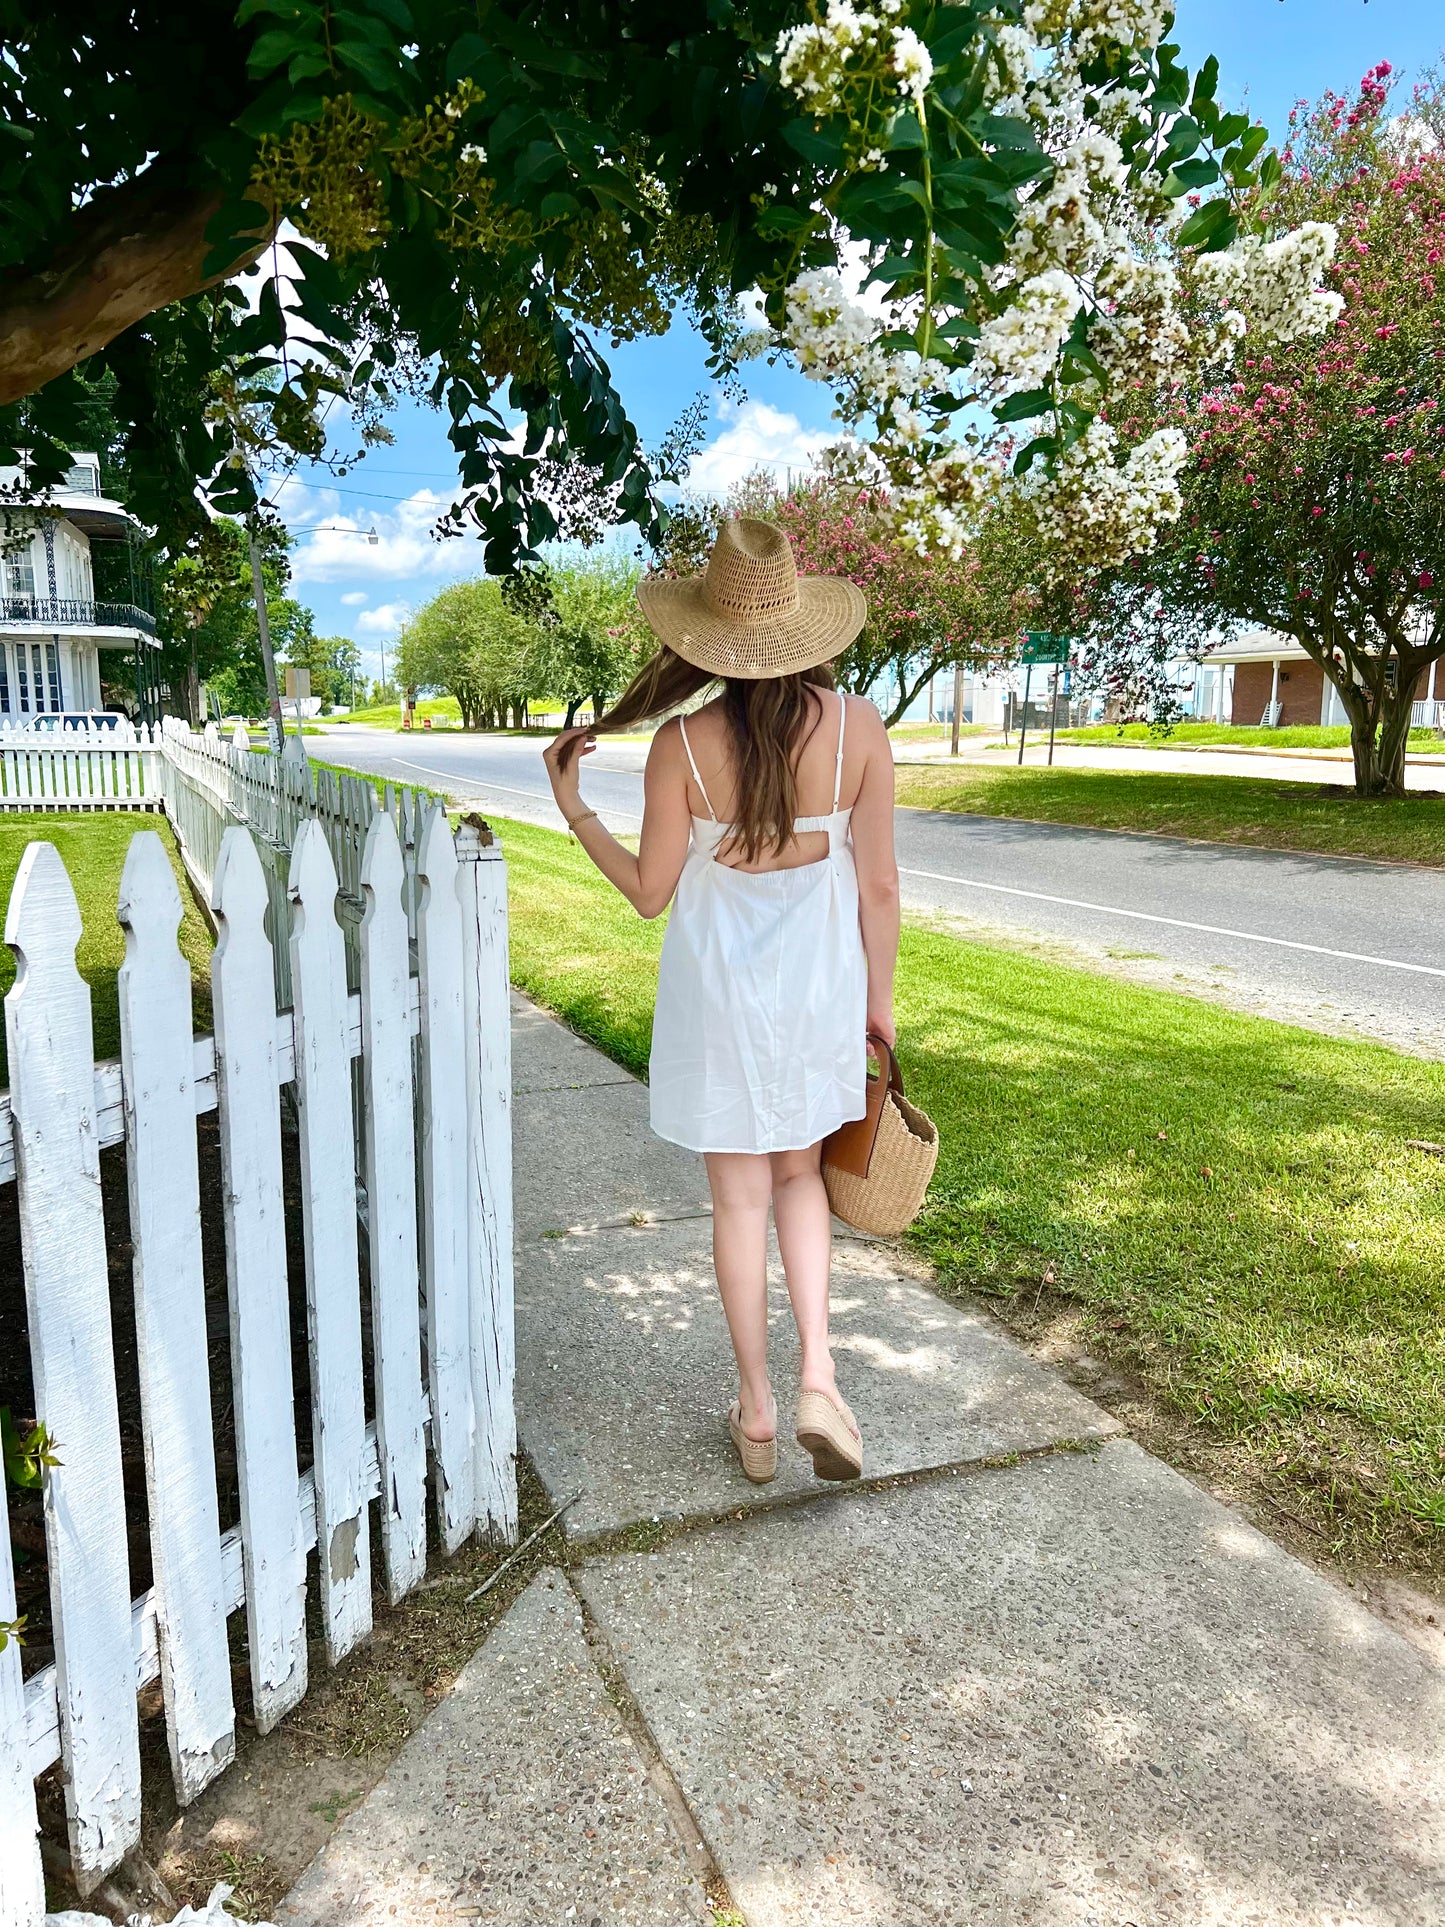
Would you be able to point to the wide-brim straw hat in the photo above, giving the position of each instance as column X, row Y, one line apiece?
column 750, row 614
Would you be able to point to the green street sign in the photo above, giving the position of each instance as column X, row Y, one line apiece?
column 1041, row 647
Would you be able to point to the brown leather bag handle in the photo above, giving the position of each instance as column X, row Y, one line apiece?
column 850, row 1148
column 885, row 1051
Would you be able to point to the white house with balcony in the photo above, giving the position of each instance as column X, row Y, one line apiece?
column 64, row 648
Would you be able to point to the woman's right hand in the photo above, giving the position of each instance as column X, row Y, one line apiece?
column 880, row 1024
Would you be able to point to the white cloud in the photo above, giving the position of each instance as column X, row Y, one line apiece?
column 759, row 436
column 332, row 543
column 385, row 620
column 353, row 598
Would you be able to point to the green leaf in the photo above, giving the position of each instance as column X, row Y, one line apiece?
column 905, row 132
column 820, row 145
column 1206, row 83
column 1200, row 173
column 1023, row 408
column 1040, row 446
column 1205, row 225
column 373, row 65
column 274, row 48
column 1270, row 170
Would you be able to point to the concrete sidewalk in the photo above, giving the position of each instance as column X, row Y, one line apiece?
column 1027, row 1676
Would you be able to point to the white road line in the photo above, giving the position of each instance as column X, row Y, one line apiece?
column 484, row 783
column 1178, row 923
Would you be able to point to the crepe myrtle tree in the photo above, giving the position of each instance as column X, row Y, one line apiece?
column 1314, row 498
column 473, row 200
column 926, row 613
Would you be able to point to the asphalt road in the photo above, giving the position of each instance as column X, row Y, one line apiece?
column 1326, row 940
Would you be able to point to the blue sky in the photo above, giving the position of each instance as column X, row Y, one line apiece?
column 1271, row 53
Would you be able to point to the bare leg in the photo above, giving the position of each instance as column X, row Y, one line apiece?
column 805, row 1239
column 741, row 1186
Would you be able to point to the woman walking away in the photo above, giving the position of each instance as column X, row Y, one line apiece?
column 769, row 818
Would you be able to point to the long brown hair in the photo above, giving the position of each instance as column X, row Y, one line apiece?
column 768, row 720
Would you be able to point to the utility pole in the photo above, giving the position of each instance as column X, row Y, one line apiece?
column 957, row 705
column 276, row 719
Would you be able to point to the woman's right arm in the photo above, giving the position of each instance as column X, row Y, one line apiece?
column 648, row 878
column 878, row 911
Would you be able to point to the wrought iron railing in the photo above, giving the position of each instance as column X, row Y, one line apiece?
column 60, row 613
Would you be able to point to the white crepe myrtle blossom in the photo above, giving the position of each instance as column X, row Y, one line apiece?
column 1276, row 284
column 912, row 63
column 1072, row 248
column 1091, row 25
column 1020, row 348
column 1092, row 506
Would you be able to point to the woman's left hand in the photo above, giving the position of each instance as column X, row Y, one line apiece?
column 565, row 784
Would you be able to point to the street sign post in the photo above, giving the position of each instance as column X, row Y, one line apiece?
column 1041, row 649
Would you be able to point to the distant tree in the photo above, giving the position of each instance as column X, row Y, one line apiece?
column 1314, row 500
column 333, row 663
column 587, row 638
column 467, row 643
column 208, row 618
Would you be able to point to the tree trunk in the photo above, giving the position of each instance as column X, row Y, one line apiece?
column 133, row 248
column 193, row 689
column 574, row 703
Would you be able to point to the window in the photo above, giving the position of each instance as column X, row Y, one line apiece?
column 83, row 479
column 52, row 675
column 22, row 678
column 4, row 682
column 19, row 573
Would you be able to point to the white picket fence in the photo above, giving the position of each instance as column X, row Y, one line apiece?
column 78, row 768
column 424, row 1059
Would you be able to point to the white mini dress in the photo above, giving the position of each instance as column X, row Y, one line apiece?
column 762, row 994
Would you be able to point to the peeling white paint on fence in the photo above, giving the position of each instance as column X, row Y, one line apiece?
column 444, row 1121
column 390, row 1124
column 482, row 889
column 328, row 1228
column 249, row 1079
column 157, row 1054
column 22, row 1884
column 424, row 1057
column 67, row 1295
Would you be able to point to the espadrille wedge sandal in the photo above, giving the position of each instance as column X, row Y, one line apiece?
column 829, row 1431
column 757, row 1457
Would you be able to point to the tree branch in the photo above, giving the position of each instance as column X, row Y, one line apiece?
column 133, row 249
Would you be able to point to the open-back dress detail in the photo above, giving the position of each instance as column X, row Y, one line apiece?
column 762, row 994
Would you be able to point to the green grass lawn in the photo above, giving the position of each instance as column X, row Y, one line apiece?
column 1222, row 809
column 388, row 715
column 93, row 848
column 1225, row 735
column 1231, row 1205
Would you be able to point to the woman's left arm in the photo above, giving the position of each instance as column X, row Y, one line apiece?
column 648, row 878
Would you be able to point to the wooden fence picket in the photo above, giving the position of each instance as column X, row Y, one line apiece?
column 248, row 1101
column 22, row 1884
column 67, row 1293
column 328, row 1200
column 157, row 1057
column 387, row 1108
column 482, row 886
column 444, row 1183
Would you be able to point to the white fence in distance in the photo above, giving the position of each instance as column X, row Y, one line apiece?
column 439, row 1280
column 79, row 768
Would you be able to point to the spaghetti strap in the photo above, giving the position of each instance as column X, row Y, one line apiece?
column 696, row 777
column 838, row 772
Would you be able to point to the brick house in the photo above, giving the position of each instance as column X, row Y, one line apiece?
column 1266, row 678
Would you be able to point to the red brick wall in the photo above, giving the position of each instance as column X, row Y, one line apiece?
column 1301, row 692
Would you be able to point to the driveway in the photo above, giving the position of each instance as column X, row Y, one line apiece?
column 1330, row 941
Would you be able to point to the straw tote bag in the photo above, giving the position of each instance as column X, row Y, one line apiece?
column 877, row 1169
